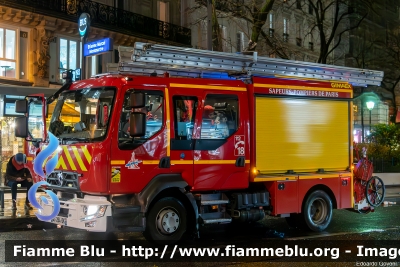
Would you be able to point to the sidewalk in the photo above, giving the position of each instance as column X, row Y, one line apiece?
column 393, row 194
column 22, row 219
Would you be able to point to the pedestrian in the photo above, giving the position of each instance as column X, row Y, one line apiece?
column 17, row 173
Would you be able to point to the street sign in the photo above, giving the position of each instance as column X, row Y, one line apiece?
column 97, row 47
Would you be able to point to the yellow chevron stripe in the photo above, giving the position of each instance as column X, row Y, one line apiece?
column 29, row 158
column 79, row 159
column 87, row 154
column 61, row 163
column 69, row 159
column 50, row 157
column 215, row 87
column 247, row 161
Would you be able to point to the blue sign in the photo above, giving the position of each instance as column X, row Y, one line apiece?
column 97, row 47
column 84, row 23
column 50, row 166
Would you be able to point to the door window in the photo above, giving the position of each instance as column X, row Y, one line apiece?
column 154, row 112
column 185, row 113
column 220, row 116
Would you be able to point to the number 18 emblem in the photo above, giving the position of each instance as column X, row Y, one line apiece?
column 239, row 145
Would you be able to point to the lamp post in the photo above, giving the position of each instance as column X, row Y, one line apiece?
column 370, row 106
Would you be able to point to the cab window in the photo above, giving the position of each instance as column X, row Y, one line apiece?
column 220, row 116
column 154, row 112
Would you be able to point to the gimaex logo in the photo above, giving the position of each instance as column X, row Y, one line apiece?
column 38, row 169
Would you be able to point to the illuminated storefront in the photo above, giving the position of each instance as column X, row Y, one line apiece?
column 9, row 144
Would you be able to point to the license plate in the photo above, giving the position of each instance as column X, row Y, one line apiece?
column 59, row 220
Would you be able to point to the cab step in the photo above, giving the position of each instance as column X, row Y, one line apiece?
column 213, row 209
column 213, row 199
column 122, row 209
column 215, row 217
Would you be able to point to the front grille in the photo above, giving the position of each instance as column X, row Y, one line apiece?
column 63, row 180
column 63, row 212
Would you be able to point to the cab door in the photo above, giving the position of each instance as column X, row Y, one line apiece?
column 136, row 160
column 222, row 147
column 184, row 115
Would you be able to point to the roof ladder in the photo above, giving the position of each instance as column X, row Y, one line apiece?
column 179, row 61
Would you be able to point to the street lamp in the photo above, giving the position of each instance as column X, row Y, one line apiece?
column 370, row 106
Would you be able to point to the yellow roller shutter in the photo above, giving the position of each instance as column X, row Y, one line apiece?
column 302, row 135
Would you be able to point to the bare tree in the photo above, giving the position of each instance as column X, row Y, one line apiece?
column 334, row 18
column 216, row 33
column 376, row 45
column 391, row 62
column 253, row 12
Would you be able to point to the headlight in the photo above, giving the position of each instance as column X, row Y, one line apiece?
column 93, row 211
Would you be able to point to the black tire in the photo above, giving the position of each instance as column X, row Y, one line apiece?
column 166, row 221
column 317, row 211
column 375, row 191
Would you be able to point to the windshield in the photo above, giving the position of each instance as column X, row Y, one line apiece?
column 82, row 115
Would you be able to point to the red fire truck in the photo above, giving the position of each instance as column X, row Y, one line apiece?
column 179, row 138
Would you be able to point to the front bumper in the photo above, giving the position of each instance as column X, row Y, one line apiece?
column 91, row 213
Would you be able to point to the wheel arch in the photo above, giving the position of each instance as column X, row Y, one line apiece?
column 321, row 187
column 169, row 185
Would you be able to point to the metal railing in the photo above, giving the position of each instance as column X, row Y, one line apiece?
column 107, row 17
column 383, row 165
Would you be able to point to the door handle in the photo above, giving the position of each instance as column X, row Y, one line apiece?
column 165, row 163
column 240, row 162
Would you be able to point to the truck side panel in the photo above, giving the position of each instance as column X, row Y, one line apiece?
column 301, row 135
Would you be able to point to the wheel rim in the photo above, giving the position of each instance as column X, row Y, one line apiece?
column 167, row 221
column 375, row 191
column 318, row 211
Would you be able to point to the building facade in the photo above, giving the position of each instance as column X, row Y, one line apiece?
column 40, row 39
column 371, row 46
column 290, row 28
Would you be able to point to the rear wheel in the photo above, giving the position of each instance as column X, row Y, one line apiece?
column 375, row 191
column 166, row 221
column 317, row 211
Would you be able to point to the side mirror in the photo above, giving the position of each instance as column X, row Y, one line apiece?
column 21, row 106
column 137, row 124
column 21, row 127
column 137, row 100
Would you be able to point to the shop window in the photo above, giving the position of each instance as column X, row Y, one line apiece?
column 69, row 56
column 219, row 116
column 154, row 111
column 7, row 53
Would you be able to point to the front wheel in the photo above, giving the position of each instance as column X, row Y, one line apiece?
column 166, row 221
column 317, row 211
